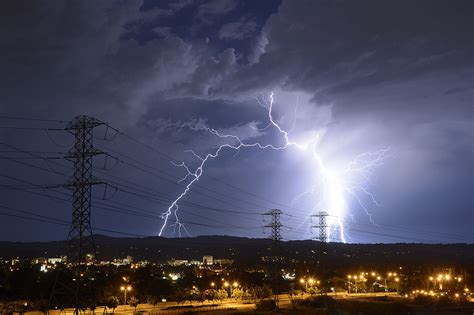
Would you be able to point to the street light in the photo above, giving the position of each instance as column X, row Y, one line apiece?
column 212, row 284
column 303, row 281
column 125, row 289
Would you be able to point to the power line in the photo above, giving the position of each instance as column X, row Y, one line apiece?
column 168, row 157
column 30, row 128
column 193, row 191
column 63, row 223
column 171, row 159
column 153, row 198
column 32, row 119
column 240, row 212
column 127, row 211
column 457, row 237
column 176, row 183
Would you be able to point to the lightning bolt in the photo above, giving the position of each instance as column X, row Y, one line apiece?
column 334, row 187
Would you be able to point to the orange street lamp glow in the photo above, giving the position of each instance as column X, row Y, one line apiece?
column 125, row 289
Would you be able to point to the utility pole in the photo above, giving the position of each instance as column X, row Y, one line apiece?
column 322, row 226
column 275, row 226
column 82, row 249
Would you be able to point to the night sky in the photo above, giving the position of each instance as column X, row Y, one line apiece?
column 362, row 76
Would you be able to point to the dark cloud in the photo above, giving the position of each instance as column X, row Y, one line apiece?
column 364, row 75
column 215, row 7
column 237, row 30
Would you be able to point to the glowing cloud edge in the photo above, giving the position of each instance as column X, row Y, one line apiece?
column 334, row 186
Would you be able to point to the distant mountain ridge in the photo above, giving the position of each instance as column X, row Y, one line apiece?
column 245, row 250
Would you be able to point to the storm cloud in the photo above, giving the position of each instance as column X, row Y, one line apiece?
column 363, row 75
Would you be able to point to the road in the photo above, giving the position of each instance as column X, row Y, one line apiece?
column 284, row 301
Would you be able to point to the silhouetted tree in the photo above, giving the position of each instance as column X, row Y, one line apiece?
column 112, row 302
column 153, row 300
column 133, row 302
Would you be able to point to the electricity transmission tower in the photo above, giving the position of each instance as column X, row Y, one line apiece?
column 274, row 225
column 73, row 288
column 322, row 225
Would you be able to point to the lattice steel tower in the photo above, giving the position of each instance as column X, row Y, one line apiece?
column 275, row 224
column 80, row 235
column 275, row 235
column 71, row 286
column 322, row 225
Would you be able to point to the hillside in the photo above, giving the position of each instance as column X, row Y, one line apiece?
column 245, row 250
